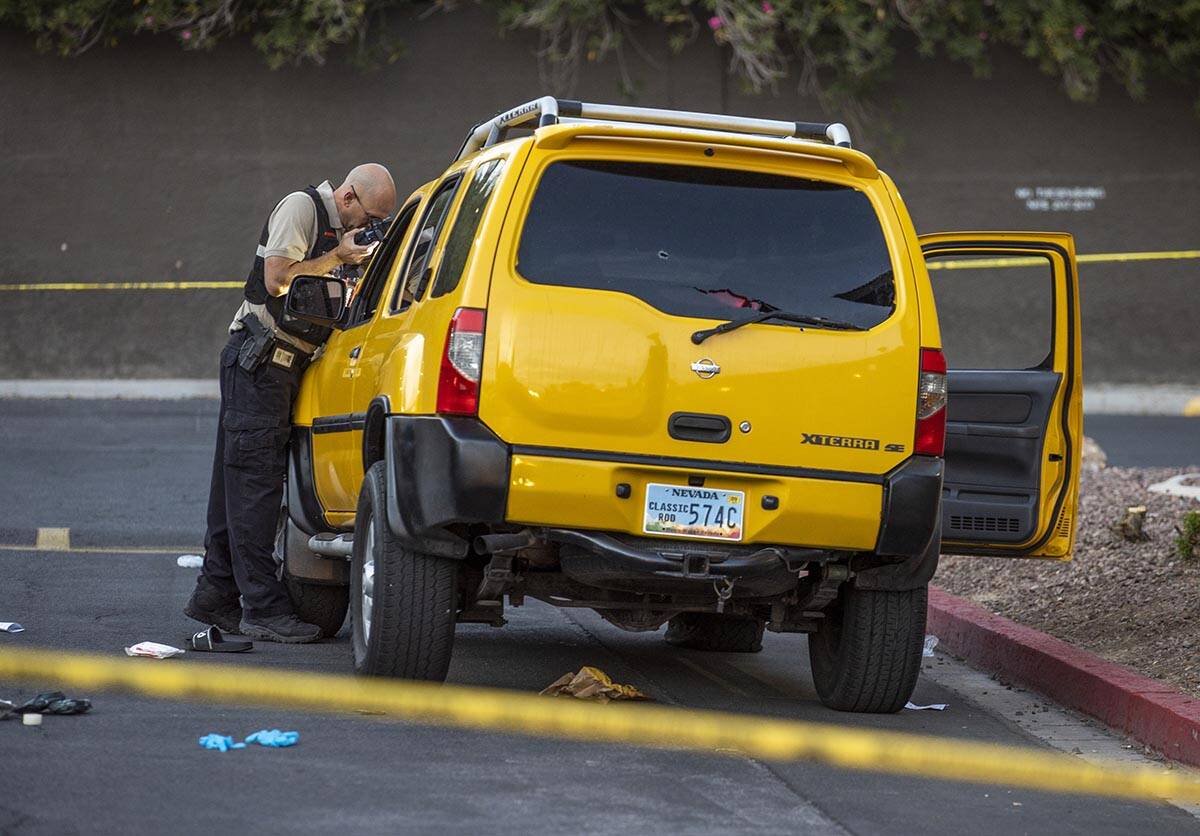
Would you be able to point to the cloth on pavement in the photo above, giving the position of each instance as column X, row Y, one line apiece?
column 937, row 706
column 591, row 684
column 11, row 627
column 189, row 561
column 153, row 650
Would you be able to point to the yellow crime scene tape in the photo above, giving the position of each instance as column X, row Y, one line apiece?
column 955, row 264
column 639, row 724
column 1034, row 261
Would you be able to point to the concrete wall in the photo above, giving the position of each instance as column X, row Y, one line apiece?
column 148, row 163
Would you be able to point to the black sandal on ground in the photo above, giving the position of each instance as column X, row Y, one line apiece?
column 211, row 641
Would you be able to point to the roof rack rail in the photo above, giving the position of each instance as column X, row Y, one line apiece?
column 550, row 111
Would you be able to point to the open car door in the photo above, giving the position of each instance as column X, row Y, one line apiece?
column 1008, row 309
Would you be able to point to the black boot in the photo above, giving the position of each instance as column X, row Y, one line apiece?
column 280, row 628
column 209, row 605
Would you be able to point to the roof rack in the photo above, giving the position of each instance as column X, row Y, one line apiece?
column 551, row 111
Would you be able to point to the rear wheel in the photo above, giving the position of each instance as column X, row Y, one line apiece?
column 867, row 653
column 710, row 631
column 403, row 603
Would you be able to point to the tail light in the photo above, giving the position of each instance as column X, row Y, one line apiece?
column 462, row 360
column 931, row 404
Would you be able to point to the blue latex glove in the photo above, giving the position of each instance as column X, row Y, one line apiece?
column 220, row 742
column 274, row 737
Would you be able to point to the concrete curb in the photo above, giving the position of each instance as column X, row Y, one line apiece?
column 1151, row 712
column 148, row 389
column 1135, row 399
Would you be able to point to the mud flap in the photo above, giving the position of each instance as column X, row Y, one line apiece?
column 296, row 560
column 911, row 573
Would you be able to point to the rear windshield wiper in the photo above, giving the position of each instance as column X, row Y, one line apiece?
column 763, row 316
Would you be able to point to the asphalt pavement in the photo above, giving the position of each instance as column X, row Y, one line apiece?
column 135, row 474
column 1146, row 440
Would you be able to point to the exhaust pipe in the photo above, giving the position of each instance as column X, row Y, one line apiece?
column 496, row 543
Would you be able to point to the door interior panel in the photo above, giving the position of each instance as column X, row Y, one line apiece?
column 996, row 422
column 990, row 407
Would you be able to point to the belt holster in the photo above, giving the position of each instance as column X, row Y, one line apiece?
column 258, row 346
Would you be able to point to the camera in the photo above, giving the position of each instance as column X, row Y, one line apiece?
column 371, row 233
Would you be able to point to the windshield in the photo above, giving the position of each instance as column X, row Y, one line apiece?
column 705, row 242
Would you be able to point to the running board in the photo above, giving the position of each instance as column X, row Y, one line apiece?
column 332, row 545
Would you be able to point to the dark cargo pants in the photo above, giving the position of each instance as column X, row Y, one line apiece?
column 249, row 468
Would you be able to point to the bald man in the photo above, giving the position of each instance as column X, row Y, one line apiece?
column 309, row 232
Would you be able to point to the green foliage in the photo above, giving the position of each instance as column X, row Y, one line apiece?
column 838, row 50
column 285, row 31
column 1187, row 543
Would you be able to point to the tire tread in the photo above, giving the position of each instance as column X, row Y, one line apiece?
column 319, row 604
column 878, row 659
column 712, row 632
column 415, row 606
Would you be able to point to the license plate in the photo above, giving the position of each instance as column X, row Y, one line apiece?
column 679, row 511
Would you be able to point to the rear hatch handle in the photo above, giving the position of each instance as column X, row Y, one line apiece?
column 697, row 426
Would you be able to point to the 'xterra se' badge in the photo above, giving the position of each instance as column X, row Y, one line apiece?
column 706, row 368
column 823, row 440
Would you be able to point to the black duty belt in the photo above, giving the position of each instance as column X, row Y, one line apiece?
column 288, row 357
column 261, row 346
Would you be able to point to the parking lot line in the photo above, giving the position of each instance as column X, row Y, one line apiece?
column 711, row 676
column 69, row 549
column 53, row 539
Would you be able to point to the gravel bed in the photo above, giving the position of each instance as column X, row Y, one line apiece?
column 1135, row 603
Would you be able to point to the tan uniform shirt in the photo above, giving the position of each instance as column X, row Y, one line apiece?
column 291, row 233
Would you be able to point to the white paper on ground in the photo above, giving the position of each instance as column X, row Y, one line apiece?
column 153, row 650
column 937, row 706
column 189, row 561
column 930, row 643
column 11, row 627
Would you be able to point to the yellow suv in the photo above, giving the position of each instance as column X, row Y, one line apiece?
column 678, row 368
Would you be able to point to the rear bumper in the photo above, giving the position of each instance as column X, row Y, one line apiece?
column 447, row 470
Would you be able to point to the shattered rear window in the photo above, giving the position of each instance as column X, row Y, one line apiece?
column 700, row 242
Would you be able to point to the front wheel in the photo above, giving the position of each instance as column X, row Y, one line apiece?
column 324, row 605
column 867, row 653
column 403, row 603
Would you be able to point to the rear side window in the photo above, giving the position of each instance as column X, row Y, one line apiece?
column 462, row 234
column 702, row 242
column 416, row 271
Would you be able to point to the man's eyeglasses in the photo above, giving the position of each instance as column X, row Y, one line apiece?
column 370, row 217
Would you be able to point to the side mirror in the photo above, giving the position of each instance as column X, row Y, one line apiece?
column 317, row 299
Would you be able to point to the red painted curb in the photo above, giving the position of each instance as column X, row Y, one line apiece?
column 1150, row 711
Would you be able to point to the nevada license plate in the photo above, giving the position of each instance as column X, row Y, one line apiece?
column 694, row 512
